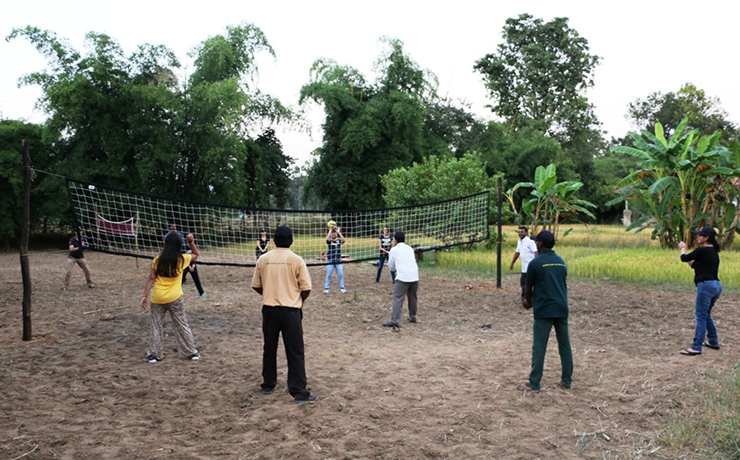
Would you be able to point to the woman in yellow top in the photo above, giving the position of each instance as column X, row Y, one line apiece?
column 165, row 276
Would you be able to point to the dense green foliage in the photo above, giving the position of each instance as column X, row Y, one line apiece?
column 537, row 79
column 684, row 182
column 538, row 75
column 370, row 128
column 551, row 202
column 49, row 202
column 436, row 179
column 126, row 121
column 701, row 111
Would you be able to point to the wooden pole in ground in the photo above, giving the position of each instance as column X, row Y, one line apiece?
column 136, row 239
column 25, row 235
column 498, row 244
column 97, row 229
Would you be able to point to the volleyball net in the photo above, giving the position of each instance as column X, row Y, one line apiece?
column 133, row 224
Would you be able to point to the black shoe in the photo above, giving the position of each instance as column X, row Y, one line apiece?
column 309, row 399
column 376, row 281
column 390, row 324
column 267, row 391
column 150, row 359
column 411, row 320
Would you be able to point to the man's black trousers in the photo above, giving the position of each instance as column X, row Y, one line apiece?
column 288, row 321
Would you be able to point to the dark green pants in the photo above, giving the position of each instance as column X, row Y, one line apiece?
column 541, row 334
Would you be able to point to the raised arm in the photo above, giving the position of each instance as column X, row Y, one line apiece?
column 190, row 239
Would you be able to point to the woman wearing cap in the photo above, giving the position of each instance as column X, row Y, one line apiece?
column 705, row 262
column 262, row 242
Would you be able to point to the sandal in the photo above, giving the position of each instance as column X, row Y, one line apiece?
column 690, row 352
column 713, row 347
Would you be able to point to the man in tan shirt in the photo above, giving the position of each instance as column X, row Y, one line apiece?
column 282, row 279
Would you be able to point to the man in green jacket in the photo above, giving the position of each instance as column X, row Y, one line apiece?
column 546, row 290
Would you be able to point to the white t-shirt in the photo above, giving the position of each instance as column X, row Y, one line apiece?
column 526, row 249
column 403, row 262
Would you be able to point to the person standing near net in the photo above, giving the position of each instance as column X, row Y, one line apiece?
column 282, row 279
column 384, row 244
column 547, row 293
column 334, row 241
column 165, row 276
column 77, row 257
column 193, row 269
column 528, row 251
column 262, row 243
column 705, row 262
column 402, row 260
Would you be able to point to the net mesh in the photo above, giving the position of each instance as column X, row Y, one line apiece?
column 134, row 224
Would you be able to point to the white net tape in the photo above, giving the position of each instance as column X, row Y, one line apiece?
column 133, row 224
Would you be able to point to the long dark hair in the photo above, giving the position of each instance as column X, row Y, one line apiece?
column 170, row 257
column 714, row 243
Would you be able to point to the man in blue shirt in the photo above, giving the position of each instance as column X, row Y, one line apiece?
column 547, row 292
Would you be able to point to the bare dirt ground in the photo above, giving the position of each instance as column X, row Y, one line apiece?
column 444, row 388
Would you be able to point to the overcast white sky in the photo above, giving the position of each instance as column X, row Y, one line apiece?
column 645, row 46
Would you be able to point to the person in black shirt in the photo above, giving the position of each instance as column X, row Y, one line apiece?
column 76, row 257
column 384, row 244
column 262, row 242
column 705, row 262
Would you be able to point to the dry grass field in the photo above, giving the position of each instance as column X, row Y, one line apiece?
column 441, row 389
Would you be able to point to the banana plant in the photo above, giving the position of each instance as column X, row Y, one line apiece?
column 676, row 178
column 551, row 201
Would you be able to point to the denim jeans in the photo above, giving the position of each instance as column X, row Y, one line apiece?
column 382, row 259
column 707, row 293
column 340, row 274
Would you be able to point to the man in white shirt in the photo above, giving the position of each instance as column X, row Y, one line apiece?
column 403, row 261
column 528, row 251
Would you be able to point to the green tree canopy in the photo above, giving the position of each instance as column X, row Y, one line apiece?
column 126, row 121
column 669, row 109
column 538, row 76
column 369, row 128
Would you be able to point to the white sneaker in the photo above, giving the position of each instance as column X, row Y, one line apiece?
column 343, row 291
column 326, row 291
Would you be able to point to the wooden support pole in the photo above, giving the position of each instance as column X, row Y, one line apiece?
column 25, row 236
column 136, row 239
column 498, row 243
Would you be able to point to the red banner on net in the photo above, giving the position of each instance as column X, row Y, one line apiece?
column 117, row 228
